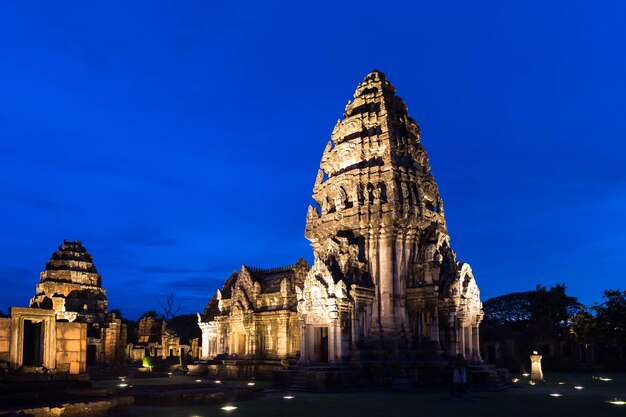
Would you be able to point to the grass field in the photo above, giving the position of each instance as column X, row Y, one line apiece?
column 524, row 400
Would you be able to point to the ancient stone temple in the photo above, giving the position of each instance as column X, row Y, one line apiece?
column 385, row 285
column 71, row 286
column 384, row 274
column 254, row 315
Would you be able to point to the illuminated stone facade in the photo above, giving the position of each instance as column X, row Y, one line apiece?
column 254, row 315
column 384, row 276
column 71, row 287
column 384, row 272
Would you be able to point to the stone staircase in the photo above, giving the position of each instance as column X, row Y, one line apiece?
column 299, row 380
column 489, row 378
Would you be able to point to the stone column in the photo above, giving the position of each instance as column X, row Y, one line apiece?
column 304, row 352
column 386, row 282
column 371, row 244
column 434, row 325
column 282, row 340
column 253, row 338
column 452, row 326
column 219, row 340
column 476, row 344
column 354, row 331
column 204, row 327
column 460, row 337
column 332, row 342
column 467, row 338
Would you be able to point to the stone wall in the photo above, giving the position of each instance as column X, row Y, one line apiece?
column 115, row 341
column 5, row 334
column 71, row 353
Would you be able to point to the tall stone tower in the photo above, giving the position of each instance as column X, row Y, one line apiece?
column 384, row 274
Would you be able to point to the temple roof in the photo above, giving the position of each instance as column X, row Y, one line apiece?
column 71, row 256
column 270, row 279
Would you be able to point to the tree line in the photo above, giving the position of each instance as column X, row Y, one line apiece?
column 552, row 314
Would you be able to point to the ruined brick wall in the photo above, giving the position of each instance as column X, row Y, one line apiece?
column 71, row 351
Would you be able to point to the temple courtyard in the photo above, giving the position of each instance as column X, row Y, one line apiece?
column 593, row 399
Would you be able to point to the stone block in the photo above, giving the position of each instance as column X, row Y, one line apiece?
column 74, row 368
column 69, row 346
column 4, row 345
column 72, row 333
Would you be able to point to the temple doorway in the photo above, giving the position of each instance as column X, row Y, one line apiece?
column 240, row 348
column 32, row 346
column 320, row 349
column 92, row 355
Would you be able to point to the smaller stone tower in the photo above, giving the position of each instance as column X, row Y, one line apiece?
column 71, row 286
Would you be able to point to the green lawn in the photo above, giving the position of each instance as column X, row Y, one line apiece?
column 525, row 400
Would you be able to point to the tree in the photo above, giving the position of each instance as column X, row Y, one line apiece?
column 151, row 313
column 506, row 314
column 611, row 316
column 550, row 312
column 536, row 314
column 169, row 306
column 584, row 326
column 185, row 326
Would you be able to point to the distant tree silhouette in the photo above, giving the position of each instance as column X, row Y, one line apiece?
column 185, row 326
column 151, row 313
column 169, row 307
column 531, row 315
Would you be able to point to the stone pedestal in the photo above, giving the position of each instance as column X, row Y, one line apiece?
column 536, row 374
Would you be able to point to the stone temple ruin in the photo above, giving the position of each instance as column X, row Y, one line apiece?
column 67, row 326
column 385, row 290
column 385, row 283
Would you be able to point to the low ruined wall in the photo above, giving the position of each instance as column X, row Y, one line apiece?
column 5, row 334
column 71, row 353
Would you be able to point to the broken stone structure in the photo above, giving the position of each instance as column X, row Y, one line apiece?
column 254, row 315
column 384, row 277
column 71, row 287
column 384, row 273
column 33, row 340
column 154, row 338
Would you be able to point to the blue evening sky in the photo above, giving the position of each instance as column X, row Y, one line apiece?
column 179, row 140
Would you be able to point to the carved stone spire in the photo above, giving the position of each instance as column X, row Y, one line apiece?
column 380, row 226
